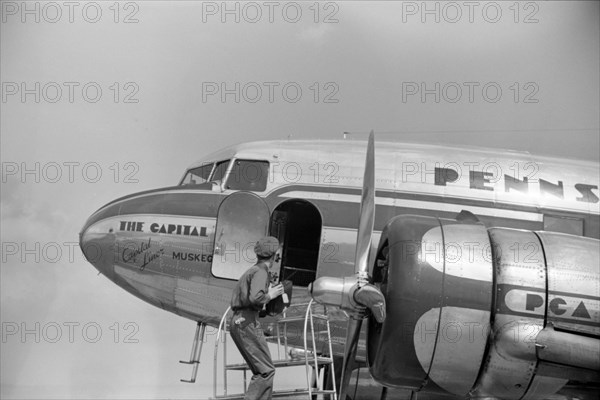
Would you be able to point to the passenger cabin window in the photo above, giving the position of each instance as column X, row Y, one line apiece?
column 249, row 175
column 555, row 223
column 196, row 176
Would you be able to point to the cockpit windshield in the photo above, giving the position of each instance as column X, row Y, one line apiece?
column 208, row 172
column 249, row 175
column 198, row 175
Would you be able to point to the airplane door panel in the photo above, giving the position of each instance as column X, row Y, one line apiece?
column 243, row 218
column 278, row 229
column 275, row 268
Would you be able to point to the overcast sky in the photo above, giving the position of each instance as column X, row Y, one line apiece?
column 106, row 99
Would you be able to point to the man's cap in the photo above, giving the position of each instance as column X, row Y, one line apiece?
column 266, row 246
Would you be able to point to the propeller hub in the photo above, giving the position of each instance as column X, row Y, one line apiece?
column 337, row 292
column 350, row 294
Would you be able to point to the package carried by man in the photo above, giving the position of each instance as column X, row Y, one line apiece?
column 279, row 304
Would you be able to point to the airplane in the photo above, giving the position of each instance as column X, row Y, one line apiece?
column 476, row 270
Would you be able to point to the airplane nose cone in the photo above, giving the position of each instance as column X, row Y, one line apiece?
column 97, row 242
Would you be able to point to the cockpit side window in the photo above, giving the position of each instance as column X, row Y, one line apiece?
column 249, row 175
column 220, row 170
column 198, row 175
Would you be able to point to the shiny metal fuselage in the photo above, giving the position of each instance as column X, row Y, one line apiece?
column 166, row 246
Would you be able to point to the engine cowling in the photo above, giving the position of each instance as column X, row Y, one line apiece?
column 466, row 304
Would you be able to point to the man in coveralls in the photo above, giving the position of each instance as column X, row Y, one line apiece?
column 249, row 295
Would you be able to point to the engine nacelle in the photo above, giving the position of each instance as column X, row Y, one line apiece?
column 465, row 305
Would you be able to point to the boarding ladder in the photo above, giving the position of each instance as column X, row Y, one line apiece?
column 308, row 357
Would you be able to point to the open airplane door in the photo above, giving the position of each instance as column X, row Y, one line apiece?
column 243, row 218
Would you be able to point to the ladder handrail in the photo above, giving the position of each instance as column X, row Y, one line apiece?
column 332, row 372
column 308, row 315
column 221, row 326
column 314, row 350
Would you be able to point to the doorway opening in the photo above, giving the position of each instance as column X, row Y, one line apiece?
column 297, row 225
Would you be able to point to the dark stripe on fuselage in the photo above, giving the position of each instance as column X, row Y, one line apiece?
column 201, row 204
column 415, row 196
column 338, row 214
column 344, row 214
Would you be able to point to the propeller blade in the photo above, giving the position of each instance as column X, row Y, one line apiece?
column 363, row 246
column 367, row 212
column 352, row 336
column 355, row 294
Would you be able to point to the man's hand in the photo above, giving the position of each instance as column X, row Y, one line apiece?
column 275, row 291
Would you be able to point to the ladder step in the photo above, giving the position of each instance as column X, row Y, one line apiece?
column 300, row 318
column 278, row 393
column 320, row 336
column 283, row 363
